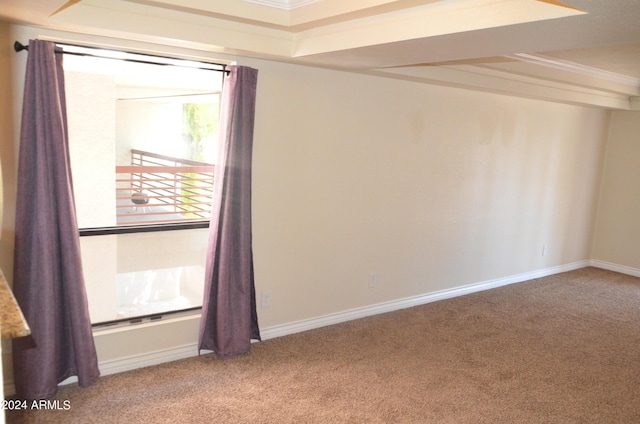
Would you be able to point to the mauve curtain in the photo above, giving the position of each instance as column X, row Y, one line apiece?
column 48, row 279
column 229, row 320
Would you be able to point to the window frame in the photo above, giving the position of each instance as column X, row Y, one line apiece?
column 80, row 50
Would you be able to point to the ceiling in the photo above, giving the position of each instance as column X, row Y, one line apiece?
column 583, row 52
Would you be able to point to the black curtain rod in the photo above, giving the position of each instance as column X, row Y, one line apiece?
column 18, row 47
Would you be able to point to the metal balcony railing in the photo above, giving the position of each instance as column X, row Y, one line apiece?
column 157, row 189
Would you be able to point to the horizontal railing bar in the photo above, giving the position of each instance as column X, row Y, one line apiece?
column 169, row 198
column 158, row 192
column 164, row 200
column 137, row 169
column 177, row 196
column 180, row 211
column 185, row 192
column 167, row 158
column 167, row 176
column 172, row 164
column 157, row 213
column 158, row 184
column 173, row 168
column 195, row 203
column 162, row 189
column 194, row 197
column 178, row 205
column 164, row 182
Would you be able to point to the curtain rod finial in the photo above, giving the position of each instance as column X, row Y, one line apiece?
column 18, row 46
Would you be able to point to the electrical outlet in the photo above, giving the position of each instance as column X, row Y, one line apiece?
column 373, row 280
column 266, row 299
column 545, row 250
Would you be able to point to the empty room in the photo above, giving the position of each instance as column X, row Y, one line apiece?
column 310, row 211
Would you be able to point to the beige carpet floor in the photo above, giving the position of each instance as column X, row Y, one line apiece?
column 560, row 349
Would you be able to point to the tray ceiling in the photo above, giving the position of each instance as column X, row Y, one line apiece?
column 535, row 48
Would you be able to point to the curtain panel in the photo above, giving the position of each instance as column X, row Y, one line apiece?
column 48, row 278
column 229, row 320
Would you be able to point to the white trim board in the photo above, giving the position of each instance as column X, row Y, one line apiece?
column 622, row 269
column 565, row 65
column 130, row 363
column 380, row 308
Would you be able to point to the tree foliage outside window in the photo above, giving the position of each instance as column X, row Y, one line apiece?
column 200, row 124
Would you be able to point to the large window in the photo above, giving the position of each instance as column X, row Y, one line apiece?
column 142, row 134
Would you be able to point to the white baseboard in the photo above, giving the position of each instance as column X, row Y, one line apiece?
column 142, row 360
column 157, row 357
column 185, row 351
column 380, row 308
column 148, row 359
column 635, row 272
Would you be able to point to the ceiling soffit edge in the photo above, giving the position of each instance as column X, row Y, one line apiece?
column 425, row 21
column 509, row 84
column 573, row 67
column 283, row 4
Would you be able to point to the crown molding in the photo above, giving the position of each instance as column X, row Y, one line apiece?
column 283, row 4
column 508, row 83
column 576, row 68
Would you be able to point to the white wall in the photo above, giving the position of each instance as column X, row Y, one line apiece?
column 430, row 188
column 91, row 119
column 151, row 126
column 617, row 238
